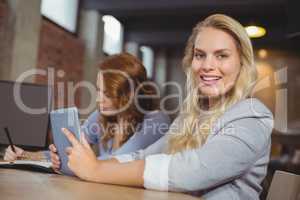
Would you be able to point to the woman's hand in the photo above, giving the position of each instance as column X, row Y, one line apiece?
column 82, row 160
column 54, row 158
column 11, row 156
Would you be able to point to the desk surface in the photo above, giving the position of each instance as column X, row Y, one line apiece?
column 17, row 184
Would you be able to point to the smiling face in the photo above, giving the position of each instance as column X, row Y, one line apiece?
column 216, row 62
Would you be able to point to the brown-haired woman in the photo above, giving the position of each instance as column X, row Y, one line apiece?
column 127, row 118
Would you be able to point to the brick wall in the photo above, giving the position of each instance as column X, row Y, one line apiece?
column 63, row 53
column 3, row 11
column 59, row 49
column 3, row 20
column 6, row 37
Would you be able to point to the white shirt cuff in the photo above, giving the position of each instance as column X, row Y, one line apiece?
column 124, row 158
column 156, row 172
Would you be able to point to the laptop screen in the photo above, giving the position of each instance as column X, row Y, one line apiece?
column 24, row 110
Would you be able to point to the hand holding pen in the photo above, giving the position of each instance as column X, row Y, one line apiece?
column 12, row 153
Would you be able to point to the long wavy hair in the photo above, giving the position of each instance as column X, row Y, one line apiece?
column 197, row 123
column 125, row 82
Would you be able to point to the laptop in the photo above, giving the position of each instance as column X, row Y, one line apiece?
column 24, row 110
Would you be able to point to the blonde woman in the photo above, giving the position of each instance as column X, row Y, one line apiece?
column 219, row 145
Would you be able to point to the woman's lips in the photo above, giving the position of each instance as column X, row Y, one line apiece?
column 209, row 80
column 105, row 109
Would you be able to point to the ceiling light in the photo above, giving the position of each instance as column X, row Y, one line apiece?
column 255, row 31
column 262, row 53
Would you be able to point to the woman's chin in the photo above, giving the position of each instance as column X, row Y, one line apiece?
column 107, row 112
column 210, row 92
column 214, row 91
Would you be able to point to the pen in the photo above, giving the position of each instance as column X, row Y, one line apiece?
column 9, row 139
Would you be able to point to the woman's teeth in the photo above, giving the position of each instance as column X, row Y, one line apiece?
column 210, row 78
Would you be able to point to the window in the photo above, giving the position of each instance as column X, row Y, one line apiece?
column 148, row 59
column 113, row 35
column 61, row 12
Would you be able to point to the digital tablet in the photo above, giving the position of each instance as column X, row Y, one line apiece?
column 64, row 118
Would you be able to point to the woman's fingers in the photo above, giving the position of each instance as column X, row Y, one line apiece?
column 9, row 151
column 53, row 154
column 55, row 164
column 68, row 150
column 84, row 141
column 52, row 148
column 10, row 158
column 10, row 155
column 54, row 158
column 18, row 150
column 70, row 137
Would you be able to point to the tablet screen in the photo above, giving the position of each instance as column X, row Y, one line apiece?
column 64, row 118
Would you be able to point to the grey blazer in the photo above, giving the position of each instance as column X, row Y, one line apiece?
column 233, row 161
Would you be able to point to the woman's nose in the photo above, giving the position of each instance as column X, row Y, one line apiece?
column 208, row 64
column 100, row 98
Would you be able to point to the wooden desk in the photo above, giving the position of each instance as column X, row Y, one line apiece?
column 17, row 184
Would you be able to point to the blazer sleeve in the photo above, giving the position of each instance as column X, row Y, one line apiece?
column 225, row 156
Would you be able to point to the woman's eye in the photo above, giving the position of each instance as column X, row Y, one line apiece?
column 107, row 95
column 199, row 55
column 222, row 56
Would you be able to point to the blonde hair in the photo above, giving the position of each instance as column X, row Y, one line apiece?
column 197, row 123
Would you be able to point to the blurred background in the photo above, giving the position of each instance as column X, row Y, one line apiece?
column 65, row 39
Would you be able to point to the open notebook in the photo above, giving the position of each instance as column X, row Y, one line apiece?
column 37, row 166
column 65, row 117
